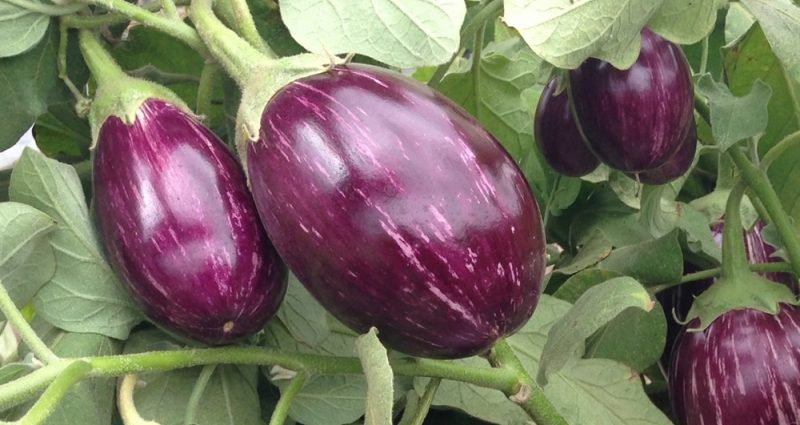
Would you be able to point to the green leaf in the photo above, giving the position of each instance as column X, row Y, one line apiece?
column 330, row 400
column 684, row 21
column 628, row 190
column 62, row 134
column 781, row 22
column 507, row 70
column 737, row 22
column 12, row 371
column 20, row 29
column 596, row 307
column 28, row 84
column 735, row 118
column 403, row 34
column 304, row 318
column 380, row 379
column 26, row 259
column 602, row 392
column 565, row 33
column 635, row 338
column 650, row 262
column 563, row 194
column 84, row 294
column 595, row 248
column 576, row 285
column 491, row 405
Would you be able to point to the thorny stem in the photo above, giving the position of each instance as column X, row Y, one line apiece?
column 288, row 394
column 491, row 11
column 197, row 393
column 530, row 396
column 757, row 180
column 12, row 313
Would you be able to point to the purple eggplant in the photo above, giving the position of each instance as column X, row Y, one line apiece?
column 558, row 137
column 181, row 228
column 677, row 165
column 744, row 369
column 396, row 209
column 636, row 119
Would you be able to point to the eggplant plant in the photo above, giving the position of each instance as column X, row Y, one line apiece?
column 376, row 212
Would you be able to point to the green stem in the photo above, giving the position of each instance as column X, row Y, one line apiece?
column 54, row 393
column 546, row 215
column 246, row 26
column 704, row 56
column 288, row 394
column 97, row 21
column 170, row 9
column 47, row 9
column 757, row 180
column 12, row 313
column 426, row 401
column 531, row 395
column 16, row 392
column 63, row 40
column 197, row 393
column 715, row 272
column 177, row 29
column 788, row 142
column 490, row 11
column 476, row 68
column 205, row 90
column 238, row 58
column 701, row 107
column 126, row 404
column 734, row 255
column 102, row 66
column 152, row 73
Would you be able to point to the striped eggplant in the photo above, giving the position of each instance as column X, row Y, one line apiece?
column 558, row 137
column 677, row 165
column 744, row 369
column 181, row 228
column 635, row 120
column 396, row 209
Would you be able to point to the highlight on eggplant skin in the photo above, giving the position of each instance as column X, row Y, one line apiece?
column 558, row 137
column 677, row 165
column 743, row 369
column 635, row 119
column 181, row 228
column 396, row 209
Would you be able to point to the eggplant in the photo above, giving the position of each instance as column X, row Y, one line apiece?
column 397, row 210
column 558, row 137
column 744, row 369
column 181, row 228
column 636, row 119
column 677, row 165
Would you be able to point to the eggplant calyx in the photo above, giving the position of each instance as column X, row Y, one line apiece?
column 745, row 291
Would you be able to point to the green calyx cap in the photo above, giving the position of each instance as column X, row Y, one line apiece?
column 743, row 291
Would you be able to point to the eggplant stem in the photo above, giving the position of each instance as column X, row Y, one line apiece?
column 288, row 395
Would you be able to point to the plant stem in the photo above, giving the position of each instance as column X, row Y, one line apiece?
column 12, row 313
column 788, row 142
column 49, row 400
column 126, row 405
column 197, row 393
column 490, row 11
column 16, row 392
column 476, row 68
column 701, row 107
column 238, row 58
column 177, row 29
column 205, row 90
column 715, row 272
column 47, row 9
column 757, row 180
column 102, row 66
column 246, row 26
column 170, row 9
column 704, row 56
column 288, row 394
column 63, row 40
column 734, row 255
column 426, row 401
column 96, row 21
column 535, row 404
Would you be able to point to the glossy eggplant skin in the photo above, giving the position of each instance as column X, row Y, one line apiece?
column 677, row 165
column 558, row 137
column 635, row 120
column 397, row 210
column 181, row 228
column 744, row 369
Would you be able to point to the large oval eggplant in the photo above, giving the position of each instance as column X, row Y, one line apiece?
column 744, row 369
column 396, row 209
column 635, row 120
column 677, row 165
column 181, row 228
column 558, row 137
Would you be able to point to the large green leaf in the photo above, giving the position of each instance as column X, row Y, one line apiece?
column 684, row 21
column 20, row 29
column 781, row 22
column 565, row 33
column 404, row 33
column 84, row 294
column 26, row 258
column 380, row 379
column 651, row 262
column 304, row 318
column 635, row 338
